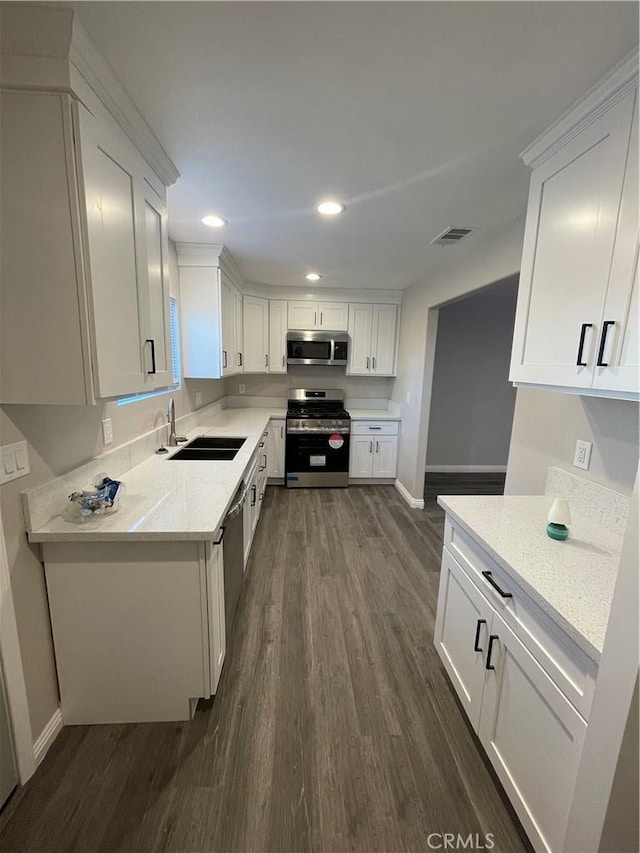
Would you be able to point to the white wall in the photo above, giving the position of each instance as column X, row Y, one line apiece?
column 488, row 257
column 546, row 426
column 60, row 438
column 472, row 400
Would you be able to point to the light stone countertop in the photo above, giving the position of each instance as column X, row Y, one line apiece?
column 173, row 500
column 571, row 581
column 373, row 415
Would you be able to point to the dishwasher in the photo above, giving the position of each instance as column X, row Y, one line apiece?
column 233, row 558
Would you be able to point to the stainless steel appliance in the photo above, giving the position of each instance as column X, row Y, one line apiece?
column 317, row 442
column 233, row 557
column 317, row 347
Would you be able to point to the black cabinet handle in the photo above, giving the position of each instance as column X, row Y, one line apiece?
column 224, row 358
column 221, row 537
column 153, row 355
column 492, row 640
column 504, row 594
column 240, row 357
column 375, row 427
column 603, row 341
column 476, row 647
column 253, row 495
column 583, row 332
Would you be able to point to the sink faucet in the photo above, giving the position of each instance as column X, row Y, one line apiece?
column 174, row 439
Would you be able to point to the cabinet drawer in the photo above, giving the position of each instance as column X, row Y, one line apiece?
column 374, row 428
column 567, row 665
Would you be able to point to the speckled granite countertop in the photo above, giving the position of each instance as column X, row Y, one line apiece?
column 373, row 415
column 572, row 581
column 177, row 500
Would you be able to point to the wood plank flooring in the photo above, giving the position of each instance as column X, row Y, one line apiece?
column 334, row 727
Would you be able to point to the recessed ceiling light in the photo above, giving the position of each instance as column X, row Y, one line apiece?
column 214, row 221
column 330, row 208
column 313, row 276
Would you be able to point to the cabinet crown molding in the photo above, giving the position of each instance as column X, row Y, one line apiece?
column 48, row 48
column 620, row 80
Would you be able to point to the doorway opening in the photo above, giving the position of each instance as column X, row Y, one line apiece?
column 472, row 400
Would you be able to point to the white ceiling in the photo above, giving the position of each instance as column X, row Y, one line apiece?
column 412, row 113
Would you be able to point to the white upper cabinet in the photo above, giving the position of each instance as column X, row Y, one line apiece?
column 576, row 321
column 372, row 339
column 305, row 315
column 212, row 345
column 256, row 334
column 84, row 308
column 277, row 336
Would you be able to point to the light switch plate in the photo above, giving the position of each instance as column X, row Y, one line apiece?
column 582, row 456
column 107, row 431
column 14, row 461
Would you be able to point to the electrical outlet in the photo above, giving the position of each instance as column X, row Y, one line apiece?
column 582, row 456
column 107, row 431
column 242, row 389
column 198, row 398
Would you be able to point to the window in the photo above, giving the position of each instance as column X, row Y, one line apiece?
column 174, row 328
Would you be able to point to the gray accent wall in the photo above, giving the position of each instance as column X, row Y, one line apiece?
column 472, row 400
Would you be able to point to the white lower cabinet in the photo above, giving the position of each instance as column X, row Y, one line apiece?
column 373, row 449
column 275, row 449
column 255, row 484
column 157, row 607
column 214, row 561
column 532, row 734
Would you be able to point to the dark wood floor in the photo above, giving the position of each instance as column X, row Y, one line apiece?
column 334, row 727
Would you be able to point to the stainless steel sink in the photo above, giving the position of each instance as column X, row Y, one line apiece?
column 212, row 448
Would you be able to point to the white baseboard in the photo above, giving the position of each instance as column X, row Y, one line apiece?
column 414, row 503
column 47, row 736
column 466, row 469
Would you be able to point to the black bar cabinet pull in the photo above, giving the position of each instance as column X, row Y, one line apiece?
column 492, row 639
column 476, row 647
column 603, row 341
column 504, row 594
column 221, row 537
column 153, row 355
column 224, row 358
column 579, row 360
column 253, row 495
column 240, row 357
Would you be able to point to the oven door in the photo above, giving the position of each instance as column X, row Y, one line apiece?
column 316, row 459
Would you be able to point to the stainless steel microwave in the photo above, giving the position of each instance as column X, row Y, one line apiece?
column 317, row 347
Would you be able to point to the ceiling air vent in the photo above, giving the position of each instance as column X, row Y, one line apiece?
column 450, row 236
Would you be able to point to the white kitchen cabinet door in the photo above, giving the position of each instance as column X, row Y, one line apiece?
column 200, row 322
column 360, row 322
column 572, row 215
column 228, row 321
column 239, row 333
column 256, row 334
column 361, row 456
column 303, row 315
column 215, row 606
column 533, row 736
column 463, row 624
column 277, row 336
column 43, row 318
column 385, row 456
column 383, row 340
column 115, row 223
column 620, row 355
column 159, row 368
column 333, row 316
column 275, row 449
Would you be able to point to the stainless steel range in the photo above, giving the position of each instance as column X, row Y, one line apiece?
column 317, row 443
